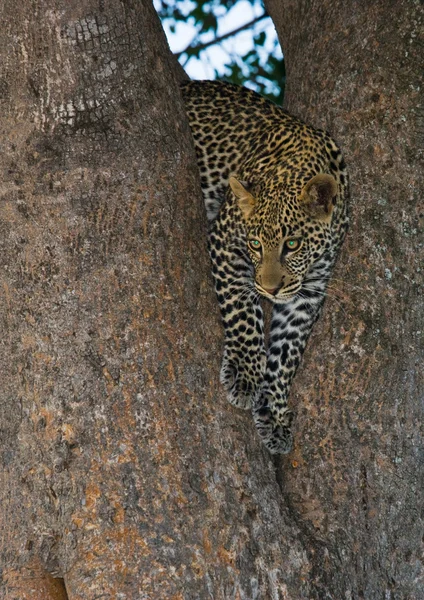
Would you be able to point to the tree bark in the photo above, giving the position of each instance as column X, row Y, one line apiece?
column 355, row 69
column 125, row 473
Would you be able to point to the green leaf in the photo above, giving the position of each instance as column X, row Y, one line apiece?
column 260, row 39
column 261, row 71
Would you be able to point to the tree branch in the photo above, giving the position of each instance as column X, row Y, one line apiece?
column 220, row 38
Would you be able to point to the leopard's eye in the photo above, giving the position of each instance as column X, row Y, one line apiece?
column 292, row 244
column 255, row 245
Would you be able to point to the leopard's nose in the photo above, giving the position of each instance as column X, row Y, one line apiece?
column 271, row 291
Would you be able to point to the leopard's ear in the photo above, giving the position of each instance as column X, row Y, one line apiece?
column 319, row 196
column 245, row 199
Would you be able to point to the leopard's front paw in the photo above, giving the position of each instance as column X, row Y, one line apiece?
column 273, row 424
column 241, row 390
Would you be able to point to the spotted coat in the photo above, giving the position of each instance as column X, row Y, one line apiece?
column 275, row 193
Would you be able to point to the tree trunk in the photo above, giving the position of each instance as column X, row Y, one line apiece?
column 125, row 474
column 355, row 68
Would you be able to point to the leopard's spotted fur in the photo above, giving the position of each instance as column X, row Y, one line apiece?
column 275, row 230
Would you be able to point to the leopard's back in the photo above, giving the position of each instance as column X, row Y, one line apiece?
column 236, row 130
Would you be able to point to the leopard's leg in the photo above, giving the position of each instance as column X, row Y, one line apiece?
column 291, row 325
column 244, row 359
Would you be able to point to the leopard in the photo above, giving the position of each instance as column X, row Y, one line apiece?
column 275, row 191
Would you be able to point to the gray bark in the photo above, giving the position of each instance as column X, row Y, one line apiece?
column 124, row 473
column 355, row 68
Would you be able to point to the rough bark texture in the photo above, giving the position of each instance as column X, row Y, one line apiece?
column 125, row 473
column 355, row 68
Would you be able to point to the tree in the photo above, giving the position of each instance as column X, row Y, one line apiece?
column 258, row 65
column 354, row 68
column 125, row 473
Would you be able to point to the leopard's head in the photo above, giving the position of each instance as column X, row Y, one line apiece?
column 288, row 228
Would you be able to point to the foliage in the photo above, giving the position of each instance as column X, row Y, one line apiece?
column 254, row 61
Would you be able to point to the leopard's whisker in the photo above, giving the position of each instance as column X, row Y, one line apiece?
column 325, row 295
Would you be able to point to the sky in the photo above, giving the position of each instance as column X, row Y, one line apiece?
column 215, row 56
